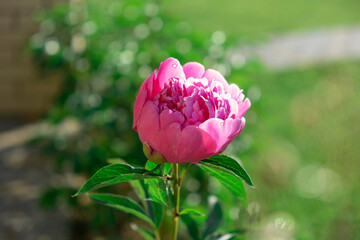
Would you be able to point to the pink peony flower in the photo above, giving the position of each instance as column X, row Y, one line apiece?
column 186, row 114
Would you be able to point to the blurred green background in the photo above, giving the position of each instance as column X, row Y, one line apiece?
column 300, row 144
column 258, row 18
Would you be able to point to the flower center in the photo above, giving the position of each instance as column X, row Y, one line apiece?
column 196, row 99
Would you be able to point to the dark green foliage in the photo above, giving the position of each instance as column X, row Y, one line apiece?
column 145, row 233
column 159, row 190
column 225, row 163
column 192, row 226
column 115, row 173
column 191, row 212
column 123, row 204
column 214, row 219
column 152, row 186
column 231, row 182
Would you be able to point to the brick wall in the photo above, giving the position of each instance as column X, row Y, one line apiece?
column 23, row 93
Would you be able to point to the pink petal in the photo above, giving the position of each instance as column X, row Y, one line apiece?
column 166, row 141
column 148, row 124
column 213, row 75
column 168, row 117
column 234, row 136
column 144, row 92
column 194, row 145
column 150, row 82
column 189, row 145
column 235, row 92
column 170, row 68
column 139, row 104
column 222, row 131
column 243, row 107
column 234, row 108
column 193, row 69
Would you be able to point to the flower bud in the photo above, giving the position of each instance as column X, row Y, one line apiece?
column 152, row 155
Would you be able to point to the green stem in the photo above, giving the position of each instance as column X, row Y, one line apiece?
column 153, row 170
column 157, row 235
column 184, row 173
column 176, row 190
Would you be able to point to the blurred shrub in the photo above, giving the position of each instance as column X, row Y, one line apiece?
column 103, row 51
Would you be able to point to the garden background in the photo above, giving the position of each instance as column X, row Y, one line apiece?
column 69, row 74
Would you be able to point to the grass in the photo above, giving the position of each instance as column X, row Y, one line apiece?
column 258, row 17
column 304, row 157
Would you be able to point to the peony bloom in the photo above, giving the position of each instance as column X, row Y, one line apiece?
column 186, row 114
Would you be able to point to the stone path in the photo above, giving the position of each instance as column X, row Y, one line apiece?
column 307, row 48
column 24, row 173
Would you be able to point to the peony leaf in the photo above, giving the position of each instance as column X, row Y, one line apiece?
column 192, row 226
column 138, row 187
column 191, row 212
column 115, row 173
column 167, row 168
column 150, row 166
column 230, row 181
column 215, row 217
column 228, row 164
column 116, row 160
column 158, row 189
column 123, row 204
column 231, row 235
column 145, row 233
column 222, row 236
column 155, row 211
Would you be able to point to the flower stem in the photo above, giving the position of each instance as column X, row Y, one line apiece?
column 176, row 190
column 157, row 235
column 184, row 171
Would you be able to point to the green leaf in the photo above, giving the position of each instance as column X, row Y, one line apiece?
column 192, row 226
column 155, row 210
column 138, row 187
column 234, row 184
column 225, row 163
column 167, row 167
column 150, row 166
column 214, row 219
column 158, row 189
column 191, row 212
column 115, row 173
column 145, row 233
column 116, row 160
column 158, row 214
column 222, row 236
column 231, row 235
column 123, row 204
